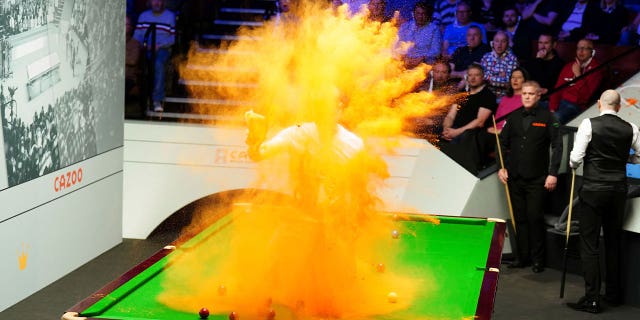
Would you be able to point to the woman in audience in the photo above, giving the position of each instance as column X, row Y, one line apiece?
column 512, row 100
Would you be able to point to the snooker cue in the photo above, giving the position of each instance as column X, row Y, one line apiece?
column 566, row 241
column 506, row 186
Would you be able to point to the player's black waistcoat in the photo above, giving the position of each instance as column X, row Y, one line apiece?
column 606, row 156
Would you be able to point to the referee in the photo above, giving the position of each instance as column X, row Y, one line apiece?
column 603, row 143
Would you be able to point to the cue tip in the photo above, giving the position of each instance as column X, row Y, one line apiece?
column 71, row 316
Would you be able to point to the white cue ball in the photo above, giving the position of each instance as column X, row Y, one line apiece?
column 395, row 234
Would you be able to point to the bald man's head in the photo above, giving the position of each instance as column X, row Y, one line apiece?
column 609, row 100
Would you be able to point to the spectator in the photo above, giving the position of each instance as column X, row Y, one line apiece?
column 444, row 13
column 423, row 34
column 403, row 7
column 574, row 16
column 512, row 100
column 132, row 67
column 603, row 143
column 546, row 65
column 473, row 52
column 355, row 5
column 377, row 11
column 488, row 13
column 284, row 12
column 538, row 16
column 629, row 34
column 571, row 100
column 525, row 141
column 607, row 26
column 335, row 4
column 439, row 82
column 165, row 22
column 498, row 64
column 455, row 33
column 519, row 40
column 464, row 135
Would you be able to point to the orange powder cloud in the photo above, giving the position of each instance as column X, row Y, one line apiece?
column 314, row 255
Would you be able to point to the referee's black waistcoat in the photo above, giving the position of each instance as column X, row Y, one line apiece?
column 526, row 138
column 607, row 153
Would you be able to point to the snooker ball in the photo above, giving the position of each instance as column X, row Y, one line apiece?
column 233, row 316
column 204, row 313
column 271, row 314
column 392, row 297
column 380, row 267
column 395, row 234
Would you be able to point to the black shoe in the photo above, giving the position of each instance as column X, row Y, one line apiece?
column 537, row 267
column 586, row 305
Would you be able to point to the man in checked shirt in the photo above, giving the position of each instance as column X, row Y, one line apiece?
column 498, row 64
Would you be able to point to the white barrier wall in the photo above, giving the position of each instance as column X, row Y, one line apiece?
column 169, row 165
column 61, row 141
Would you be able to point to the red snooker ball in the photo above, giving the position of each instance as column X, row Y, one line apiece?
column 271, row 315
column 204, row 313
column 380, row 267
column 233, row 316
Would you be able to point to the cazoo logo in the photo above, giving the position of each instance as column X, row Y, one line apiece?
column 67, row 180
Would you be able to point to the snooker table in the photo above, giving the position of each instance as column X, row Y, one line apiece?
column 462, row 254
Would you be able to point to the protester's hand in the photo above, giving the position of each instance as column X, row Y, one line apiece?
column 257, row 127
column 550, row 183
column 503, row 175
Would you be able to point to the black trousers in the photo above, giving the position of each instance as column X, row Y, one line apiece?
column 601, row 209
column 527, row 200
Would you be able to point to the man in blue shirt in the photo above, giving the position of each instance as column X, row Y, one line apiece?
column 455, row 34
column 165, row 22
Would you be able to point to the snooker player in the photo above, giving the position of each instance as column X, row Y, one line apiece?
column 529, row 173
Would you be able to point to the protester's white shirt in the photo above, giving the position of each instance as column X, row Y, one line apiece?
column 305, row 138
